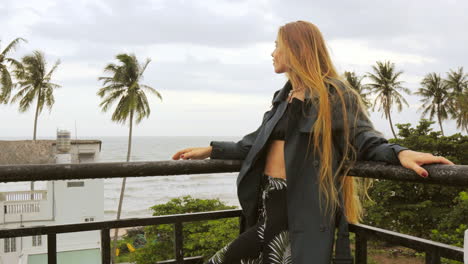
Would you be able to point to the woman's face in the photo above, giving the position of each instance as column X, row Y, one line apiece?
column 278, row 60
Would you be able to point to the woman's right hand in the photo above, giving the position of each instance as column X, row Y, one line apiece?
column 193, row 153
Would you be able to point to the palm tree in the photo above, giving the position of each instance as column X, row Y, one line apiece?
column 386, row 86
column 355, row 81
column 34, row 83
column 461, row 106
column 457, row 80
column 124, row 85
column 457, row 83
column 435, row 98
column 6, row 84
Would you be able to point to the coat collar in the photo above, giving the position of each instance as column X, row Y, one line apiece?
column 282, row 94
column 308, row 119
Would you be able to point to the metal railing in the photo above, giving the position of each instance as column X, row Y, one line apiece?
column 440, row 174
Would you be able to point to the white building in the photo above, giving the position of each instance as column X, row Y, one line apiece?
column 62, row 202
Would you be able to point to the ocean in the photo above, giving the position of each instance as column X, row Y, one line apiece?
column 143, row 193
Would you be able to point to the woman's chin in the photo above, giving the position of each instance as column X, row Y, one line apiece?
column 278, row 71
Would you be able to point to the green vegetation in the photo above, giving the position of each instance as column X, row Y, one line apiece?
column 355, row 81
column 202, row 238
column 424, row 210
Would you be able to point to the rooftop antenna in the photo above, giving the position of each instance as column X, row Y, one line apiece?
column 77, row 145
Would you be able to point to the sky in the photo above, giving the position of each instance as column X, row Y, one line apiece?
column 211, row 59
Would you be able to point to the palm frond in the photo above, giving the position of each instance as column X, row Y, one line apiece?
column 152, row 90
column 16, row 64
column 123, row 85
column 34, row 83
column 49, row 74
column 12, row 46
column 143, row 67
column 6, row 84
column 26, row 100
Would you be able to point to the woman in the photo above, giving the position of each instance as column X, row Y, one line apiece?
column 292, row 185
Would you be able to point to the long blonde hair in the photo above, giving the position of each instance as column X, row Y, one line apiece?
column 309, row 66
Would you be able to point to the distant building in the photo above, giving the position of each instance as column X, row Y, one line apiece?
column 62, row 202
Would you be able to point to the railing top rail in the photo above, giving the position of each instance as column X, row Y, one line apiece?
column 455, row 175
column 23, row 192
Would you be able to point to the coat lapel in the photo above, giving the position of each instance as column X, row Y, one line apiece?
column 279, row 101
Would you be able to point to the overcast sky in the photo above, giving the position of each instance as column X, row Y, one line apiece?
column 211, row 59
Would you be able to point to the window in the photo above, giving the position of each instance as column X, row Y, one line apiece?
column 75, row 184
column 9, row 244
column 86, row 157
column 37, row 241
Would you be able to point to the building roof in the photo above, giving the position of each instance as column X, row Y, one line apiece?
column 26, row 152
column 32, row 152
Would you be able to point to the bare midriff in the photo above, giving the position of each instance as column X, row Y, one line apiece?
column 275, row 164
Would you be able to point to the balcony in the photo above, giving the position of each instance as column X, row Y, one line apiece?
column 434, row 251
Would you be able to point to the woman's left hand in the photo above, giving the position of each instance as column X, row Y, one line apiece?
column 413, row 160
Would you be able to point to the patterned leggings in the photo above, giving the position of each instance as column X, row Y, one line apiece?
column 267, row 241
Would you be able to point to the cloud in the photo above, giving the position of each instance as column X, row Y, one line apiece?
column 211, row 59
column 146, row 22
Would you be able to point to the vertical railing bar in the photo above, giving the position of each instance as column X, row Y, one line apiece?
column 105, row 246
column 51, row 248
column 179, row 254
column 361, row 248
column 432, row 256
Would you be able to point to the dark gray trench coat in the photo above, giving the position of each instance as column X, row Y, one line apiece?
column 312, row 234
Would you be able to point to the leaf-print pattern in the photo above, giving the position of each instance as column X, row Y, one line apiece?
column 218, row 258
column 261, row 231
column 280, row 245
column 276, row 183
column 281, row 249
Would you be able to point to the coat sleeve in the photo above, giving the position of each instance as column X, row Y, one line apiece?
column 237, row 150
column 370, row 144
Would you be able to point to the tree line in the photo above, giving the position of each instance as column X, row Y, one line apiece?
column 441, row 97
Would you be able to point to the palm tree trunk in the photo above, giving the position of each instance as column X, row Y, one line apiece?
column 391, row 124
column 37, row 114
column 122, row 189
column 440, row 124
column 35, row 130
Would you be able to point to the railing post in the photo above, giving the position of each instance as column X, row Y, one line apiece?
column 361, row 248
column 52, row 249
column 433, row 256
column 105, row 246
column 179, row 253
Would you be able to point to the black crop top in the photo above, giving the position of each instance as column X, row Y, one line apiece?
column 291, row 112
